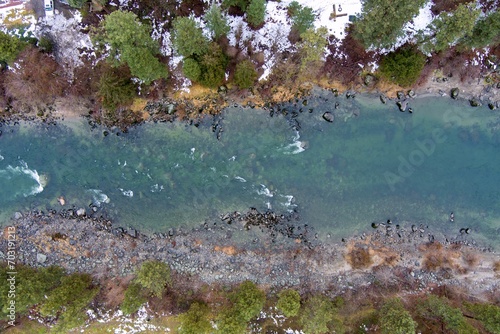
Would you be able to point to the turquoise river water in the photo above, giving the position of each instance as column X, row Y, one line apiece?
column 372, row 163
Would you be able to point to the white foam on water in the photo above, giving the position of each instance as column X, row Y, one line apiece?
column 157, row 188
column 128, row 193
column 1, row 157
column 239, row 178
column 232, row 158
column 288, row 203
column 98, row 197
column 264, row 191
column 295, row 147
column 10, row 171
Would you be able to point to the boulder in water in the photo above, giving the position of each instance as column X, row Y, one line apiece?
column 402, row 105
column 454, row 93
column 474, row 102
column 328, row 116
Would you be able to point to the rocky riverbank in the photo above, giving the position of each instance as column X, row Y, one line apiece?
column 274, row 251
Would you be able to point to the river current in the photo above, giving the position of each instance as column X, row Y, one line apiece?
column 373, row 163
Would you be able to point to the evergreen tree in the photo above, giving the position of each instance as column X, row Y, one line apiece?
column 191, row 69
column 69, row 300
column 213, row 66
column 10, row 47
column 403, row 67
column 187, row 37
column 312, row 47
column 449, row 28
column 381, row 22
column 216, row 22
column 256, row 12
column 77, row 3
column 289, row 302
column 195, row 320
column 302, row 17
column 231, row 322
column 245, row 74
column 131, row 43
column 488, row 314
column 248, row 300
column 316, row 313
column 241, row 4
column 438, row 309
column 133, row 300
column 116, row 88
column 486, row 32
column 154, row 276
column 394, row 319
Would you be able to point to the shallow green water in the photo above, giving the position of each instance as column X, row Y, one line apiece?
column 381, row 164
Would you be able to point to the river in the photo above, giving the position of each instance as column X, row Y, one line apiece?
column 372, row 164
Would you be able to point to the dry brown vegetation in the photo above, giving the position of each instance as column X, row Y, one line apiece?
column 451, row 62
column 344, row 62
column 37, row 82
column 446, row 5
column 453, row 258
column 359, row 257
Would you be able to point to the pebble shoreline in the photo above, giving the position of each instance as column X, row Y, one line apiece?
column 229, row 253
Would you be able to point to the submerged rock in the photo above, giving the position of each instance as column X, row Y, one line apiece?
column 474, row 102
column 383, row 99
column 402, row 105
column 328, row 116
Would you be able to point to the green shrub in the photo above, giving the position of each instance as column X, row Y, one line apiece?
column 134, row 298
column 394, row 319
column 403, row 66
column 46, row 44
column 154, row 276
column 256, row 12
column 195, row 321
column 245, row 74
column 248, row 300
column 191, row 69
column 289, row 302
